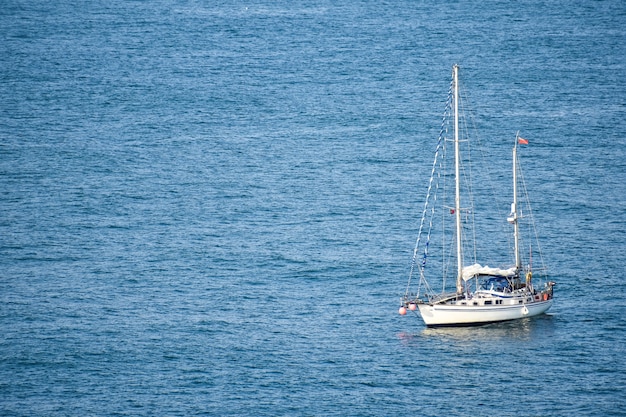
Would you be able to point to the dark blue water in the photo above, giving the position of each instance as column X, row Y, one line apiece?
column 209, row 208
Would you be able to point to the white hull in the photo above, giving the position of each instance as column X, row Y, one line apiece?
column 465, row 315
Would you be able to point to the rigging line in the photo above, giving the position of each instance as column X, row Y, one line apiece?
column 443, row 168
column 499, row 200
column 430, row 228
column 432, row 210
column 419, row 235
column 471, row 218
column 442, row 135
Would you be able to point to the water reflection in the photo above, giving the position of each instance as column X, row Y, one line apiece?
column 516, row 330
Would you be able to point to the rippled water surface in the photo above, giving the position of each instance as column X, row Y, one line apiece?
column 209, row 208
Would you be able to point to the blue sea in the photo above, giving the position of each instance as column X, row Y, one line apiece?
column 208, row 208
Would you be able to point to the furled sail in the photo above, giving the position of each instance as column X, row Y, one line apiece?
column 477, row 269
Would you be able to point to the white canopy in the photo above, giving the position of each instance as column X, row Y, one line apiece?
column 477, row 269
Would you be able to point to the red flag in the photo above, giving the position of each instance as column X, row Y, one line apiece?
column 522, row 141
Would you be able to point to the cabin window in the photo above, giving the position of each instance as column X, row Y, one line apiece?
column 520, row 301
column 475, row 303
column 488, row 302
column 496, row 283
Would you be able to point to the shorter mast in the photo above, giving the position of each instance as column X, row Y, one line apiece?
column 518, row 261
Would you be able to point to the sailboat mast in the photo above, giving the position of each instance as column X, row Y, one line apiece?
column 518, row 261
column 457, row 176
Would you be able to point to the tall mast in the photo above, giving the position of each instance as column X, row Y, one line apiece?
column 457, row 176
column 518, row 261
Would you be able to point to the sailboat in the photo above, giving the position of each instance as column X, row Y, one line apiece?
column 482, row 294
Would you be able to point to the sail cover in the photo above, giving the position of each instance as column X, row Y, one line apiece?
column 477, row 269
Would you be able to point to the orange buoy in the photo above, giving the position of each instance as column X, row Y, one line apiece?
column 402, row 311
column 412, row 306
column 545, row 297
